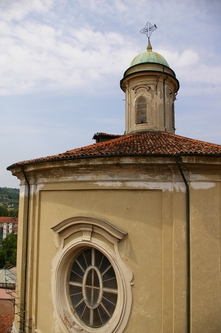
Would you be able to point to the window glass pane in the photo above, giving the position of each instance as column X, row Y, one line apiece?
column 89, row 278
column 80, row 308
column 88, row 294
column 75, row 290
column 95, row 296
column 105, row 263
column 141, row 110
column 98, row 258
column 104, row 315
column 108, row 306
column 77, row 269
column 87, row 255
column 111, row 297
column 86, row 316
column 111, row 283
column 75, row 277
column 76, row 298
column 97, row 318
column 81, row 260
column 109, row 274
column 96, row 280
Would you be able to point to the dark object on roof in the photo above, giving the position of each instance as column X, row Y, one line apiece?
column 102, row 137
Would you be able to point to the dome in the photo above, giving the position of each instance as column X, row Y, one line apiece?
column 149, row 57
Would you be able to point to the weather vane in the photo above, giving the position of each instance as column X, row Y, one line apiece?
column 148, row 29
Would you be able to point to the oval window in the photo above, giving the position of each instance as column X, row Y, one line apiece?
column 93, row 287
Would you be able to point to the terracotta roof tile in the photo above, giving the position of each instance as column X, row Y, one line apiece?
column 6, row 323
column 148, row 143
column 7, row 219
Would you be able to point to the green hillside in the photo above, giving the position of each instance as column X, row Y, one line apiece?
column 9, row 198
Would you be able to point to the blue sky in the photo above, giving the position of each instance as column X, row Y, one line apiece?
column 61, row 62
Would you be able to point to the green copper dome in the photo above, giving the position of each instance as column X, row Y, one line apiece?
column 149, row 57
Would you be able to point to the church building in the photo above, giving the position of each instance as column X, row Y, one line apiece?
column 123, row 235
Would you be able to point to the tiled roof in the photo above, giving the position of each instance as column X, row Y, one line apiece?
column 7, row 219
column 6, row 323
column 148, row 143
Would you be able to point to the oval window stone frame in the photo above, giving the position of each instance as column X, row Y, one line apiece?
column 71, row 237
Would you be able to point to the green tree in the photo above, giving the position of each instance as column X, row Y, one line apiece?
column 2, row 258
column 3, row 211
column 8, row 251
column 13, row 213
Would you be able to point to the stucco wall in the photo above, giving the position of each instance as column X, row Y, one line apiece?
column 205, row 256
column 153, row 214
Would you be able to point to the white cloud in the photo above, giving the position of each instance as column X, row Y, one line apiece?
column 18, row 10
column 35, row 56
column 193, row 73
column 107, row 7
column 52, row 54
column 184, row 59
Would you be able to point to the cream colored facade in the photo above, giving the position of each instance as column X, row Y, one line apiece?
column 156, row 219
column 159, row 87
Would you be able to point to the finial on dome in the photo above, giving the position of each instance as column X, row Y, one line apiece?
column 147, row 30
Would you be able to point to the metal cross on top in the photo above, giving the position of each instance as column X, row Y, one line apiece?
column 148, row 29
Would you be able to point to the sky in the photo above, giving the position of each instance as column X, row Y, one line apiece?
column 61, row 62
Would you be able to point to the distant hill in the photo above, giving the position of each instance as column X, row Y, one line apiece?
column 9, row 198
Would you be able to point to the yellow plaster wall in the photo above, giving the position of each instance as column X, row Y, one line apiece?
column 205, row 259
column 132, row 211
column 147, row 216
column 154, row 249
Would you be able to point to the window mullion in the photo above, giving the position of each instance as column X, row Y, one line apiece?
column 91, row 317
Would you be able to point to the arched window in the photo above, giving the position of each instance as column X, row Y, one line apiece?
column 141, row 110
